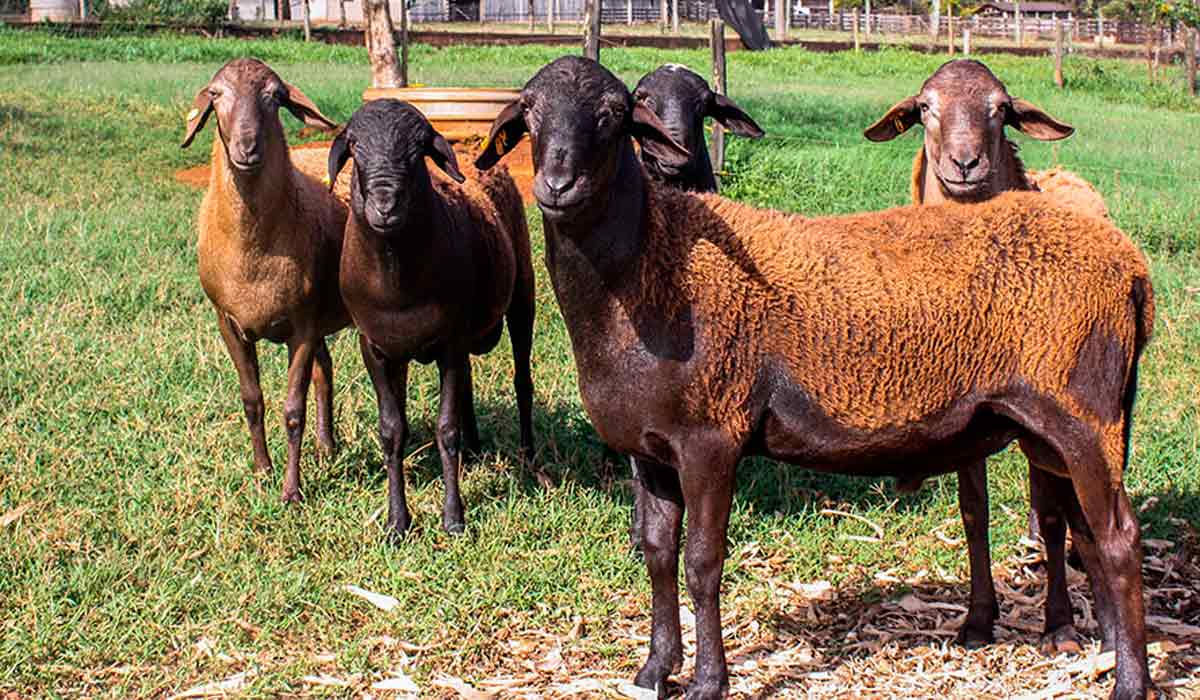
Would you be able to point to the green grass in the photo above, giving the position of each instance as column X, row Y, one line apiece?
column 120, row 423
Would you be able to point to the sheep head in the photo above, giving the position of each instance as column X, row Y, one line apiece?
column 389, row 140
column 681, row 100
column 580, row 118
column 246, row 96
column 964, row 109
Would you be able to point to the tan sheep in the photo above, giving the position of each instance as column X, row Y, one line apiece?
column 270, row 241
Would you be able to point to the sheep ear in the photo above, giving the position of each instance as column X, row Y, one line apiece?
column 507, row 130
column 1032, row 121
column 339, row 153
column 201, row 107
column 900, row 118
column 732, row 117
column 652, row 135
column 443, row 155
column 304, row 109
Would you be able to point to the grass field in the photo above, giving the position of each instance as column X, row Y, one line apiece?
column 137, row 557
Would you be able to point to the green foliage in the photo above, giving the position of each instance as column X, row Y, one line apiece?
column 1184, row 12
column 207, row 13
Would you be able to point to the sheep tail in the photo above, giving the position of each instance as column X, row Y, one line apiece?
column 1142, row 299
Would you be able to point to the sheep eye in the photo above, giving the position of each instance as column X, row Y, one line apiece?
column 924, row 108
column 214, row 93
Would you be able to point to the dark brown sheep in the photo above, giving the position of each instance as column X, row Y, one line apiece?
column 966, row 157
column 270, row 239
column 705, row 330
column 430, row 271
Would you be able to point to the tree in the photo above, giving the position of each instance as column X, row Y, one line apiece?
column 381, row 45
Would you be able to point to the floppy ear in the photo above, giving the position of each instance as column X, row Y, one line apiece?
column 900, row 118
column 339, row 153
column 1032, row 121
column 304, row 109
column 732, row 117
column 507, row 130
column 652, row 135
column 443, row 155
column 201, row 108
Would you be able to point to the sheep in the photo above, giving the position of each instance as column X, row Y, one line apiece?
column 966, row 156
column 705, row 330
column 430, row 270
column 682, row 99
column 270, row 239
column 964, row 109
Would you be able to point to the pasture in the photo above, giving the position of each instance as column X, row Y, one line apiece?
column 138, row 557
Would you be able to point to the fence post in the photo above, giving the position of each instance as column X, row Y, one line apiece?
column 867, row 4
column 550, row 16
column 854, row 27
column 935, row 21
column 403, row 44
column 1017, row 21
column 629, row 12
column 1193, row 38
column 482, row 11
column 1058, row 54
column 591, row 30
column 307, row 19
column 662, row 25
column 966, row 41
column 675, row 17
column 717, row 41
column 950, row 32
column 780, row 20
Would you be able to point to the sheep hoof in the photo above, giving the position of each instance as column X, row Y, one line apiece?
column 326, row 445
column 454, row 527
column 973, row 637
column 707, row 691
column 1063, row 640
column 397, row 529
column 290, row 497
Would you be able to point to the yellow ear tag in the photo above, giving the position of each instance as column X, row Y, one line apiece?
column 900, row 127
column 325, row 180
column 193, row 114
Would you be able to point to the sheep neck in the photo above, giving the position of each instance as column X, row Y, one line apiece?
column 403, row 256
column 258, row 204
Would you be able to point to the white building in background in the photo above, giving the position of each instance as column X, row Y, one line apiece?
column 327, row 10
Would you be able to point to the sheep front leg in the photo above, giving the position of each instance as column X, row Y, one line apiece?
column 300, row 366
column 323, row 381
column 455, row 374
column 390, row 378
column 662, row 513
column 973, row 507
column 708, row 495
column 245, row 360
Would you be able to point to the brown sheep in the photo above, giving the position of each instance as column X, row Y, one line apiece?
column 430, row 271
column 705, row 330
column 270, row 240
column 966, row 157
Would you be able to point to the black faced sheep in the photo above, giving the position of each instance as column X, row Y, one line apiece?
column 705, row 330
column 430, row 271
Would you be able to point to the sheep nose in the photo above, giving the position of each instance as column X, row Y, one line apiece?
column 558, row 183
column 965, row 164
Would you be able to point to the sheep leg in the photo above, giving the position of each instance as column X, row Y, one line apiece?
column 973, row 506
column 245, row 360
column 1110, row 516
column 708, row 495
column 520, row 332
column 323, row 383
column 300, row 367
column 1085, row 544
column 455, row 388
column 636, row 520
column 390, row 378
column 662, row 517
column 1048, row 494
column 470, row 424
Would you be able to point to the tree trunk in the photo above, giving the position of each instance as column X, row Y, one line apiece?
column 591, row 29
column 341, row 13
column 307, row 20
column 233, row 11
column 285, row 10
column 1190, row 46
column 381, row 45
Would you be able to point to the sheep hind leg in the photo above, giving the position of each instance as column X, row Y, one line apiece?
column 322, row 379
column 663, row 516
column 455, row 374
column 1049, row 495
column 470, row 424
column 977, row 630
column 245, row 361
column 1095, row 472
column 520, row 317
column 636, row 517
